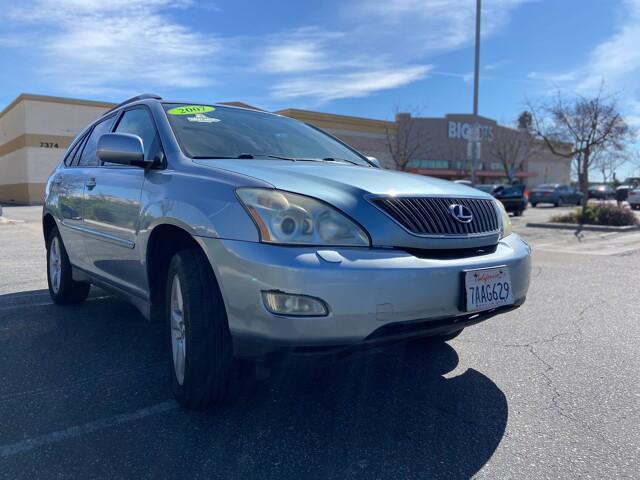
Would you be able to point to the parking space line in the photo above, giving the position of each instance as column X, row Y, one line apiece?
column 144, row 370
column 78, row 430
column 44, row 304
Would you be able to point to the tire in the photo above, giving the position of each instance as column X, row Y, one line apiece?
column 556, row 204
column 534, row 205
column 63, row 289
column 517, row 213
column 198, row 334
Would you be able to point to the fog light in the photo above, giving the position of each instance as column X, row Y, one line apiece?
column 280, row 303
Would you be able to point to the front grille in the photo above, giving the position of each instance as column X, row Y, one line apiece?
column 431, row 215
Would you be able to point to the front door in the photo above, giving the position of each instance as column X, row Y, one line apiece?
column 112, row 208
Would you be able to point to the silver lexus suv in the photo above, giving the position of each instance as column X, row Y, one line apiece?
column 250, row 233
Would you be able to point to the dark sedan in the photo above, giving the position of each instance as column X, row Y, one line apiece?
column 555, row 194
column 513, row 197
column 602, row 192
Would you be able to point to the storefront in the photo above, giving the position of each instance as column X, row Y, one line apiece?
column 35, row 131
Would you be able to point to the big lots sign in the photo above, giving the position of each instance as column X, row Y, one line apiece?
column 464, row 130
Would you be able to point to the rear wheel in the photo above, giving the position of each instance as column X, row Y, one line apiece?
column 534, row 205
column 63, row 289
column 198, row 332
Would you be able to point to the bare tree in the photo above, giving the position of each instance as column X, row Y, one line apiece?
column 579, row 128
column 512, row 148
column 405, row 140
column 607, row 163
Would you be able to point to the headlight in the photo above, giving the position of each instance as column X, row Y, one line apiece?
column 283, row 217
column 505, row 221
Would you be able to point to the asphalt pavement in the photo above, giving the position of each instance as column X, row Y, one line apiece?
column 550, row 390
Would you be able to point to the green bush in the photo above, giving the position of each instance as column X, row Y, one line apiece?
column 601, row 214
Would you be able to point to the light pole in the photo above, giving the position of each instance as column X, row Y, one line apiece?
column 475, row 147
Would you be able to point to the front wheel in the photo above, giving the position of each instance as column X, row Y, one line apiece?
column 198, row 331
column 63, row 289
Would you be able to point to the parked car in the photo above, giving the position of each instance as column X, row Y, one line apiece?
column 622, row 192
column 555, row 194
column 249, row 233
column 487, row 188
column 602, row 192
column 513, row 197
column 634, row 198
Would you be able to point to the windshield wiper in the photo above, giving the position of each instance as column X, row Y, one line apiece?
column 249, row 156
column 332, row 159
column 242, row 156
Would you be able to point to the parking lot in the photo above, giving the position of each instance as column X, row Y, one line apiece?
column 550, row 390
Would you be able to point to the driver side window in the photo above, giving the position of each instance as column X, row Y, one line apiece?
column 138, row 121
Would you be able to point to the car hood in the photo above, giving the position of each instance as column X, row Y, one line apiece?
column 348, row 187
column 322, row 179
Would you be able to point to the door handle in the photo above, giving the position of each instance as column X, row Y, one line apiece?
column 90, row 183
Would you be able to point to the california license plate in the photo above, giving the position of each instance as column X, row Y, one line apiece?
column 487, row 288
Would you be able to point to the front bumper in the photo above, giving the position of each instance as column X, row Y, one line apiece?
column 365, row 289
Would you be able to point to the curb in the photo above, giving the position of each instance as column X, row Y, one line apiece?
column 588, row 228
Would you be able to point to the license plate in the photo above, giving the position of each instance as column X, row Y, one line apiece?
column 487, row 288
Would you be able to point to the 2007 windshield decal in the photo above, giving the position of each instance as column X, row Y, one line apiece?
column 190, row 109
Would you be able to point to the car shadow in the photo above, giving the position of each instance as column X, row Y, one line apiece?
column 389, row 412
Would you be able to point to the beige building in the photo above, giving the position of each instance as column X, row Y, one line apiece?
column 35, row 131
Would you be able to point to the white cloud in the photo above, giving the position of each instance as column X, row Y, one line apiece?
column 102, row 46
column 619, row 56
column 358, row 84
column 386, row 44
column 117, row 47
column 554, row 78
column 437, row 25
column 614, row 61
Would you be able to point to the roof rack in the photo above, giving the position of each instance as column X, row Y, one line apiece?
column 144, row 96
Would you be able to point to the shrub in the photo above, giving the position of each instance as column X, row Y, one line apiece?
column 601, row 214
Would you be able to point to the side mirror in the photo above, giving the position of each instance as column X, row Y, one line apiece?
column 122, row 148
column 375, row 161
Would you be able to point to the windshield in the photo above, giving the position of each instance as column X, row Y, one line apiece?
column 205, row 131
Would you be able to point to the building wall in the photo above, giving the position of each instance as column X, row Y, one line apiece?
column 35, row 131
column 549, row 168
column 444, row 151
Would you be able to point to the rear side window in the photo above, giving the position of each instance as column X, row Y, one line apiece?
column 68, row 160
column 138, row 122
column 513, row 191
column 89, row 158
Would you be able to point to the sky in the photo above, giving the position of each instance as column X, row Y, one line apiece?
column 354, row 57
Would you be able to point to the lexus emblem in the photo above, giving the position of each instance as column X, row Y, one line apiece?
column 460, row 213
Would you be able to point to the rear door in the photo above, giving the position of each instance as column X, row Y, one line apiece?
column 112, row 209
column 70, row 185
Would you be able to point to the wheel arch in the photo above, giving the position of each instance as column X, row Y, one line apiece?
column 48, row 223
column 163, row 242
